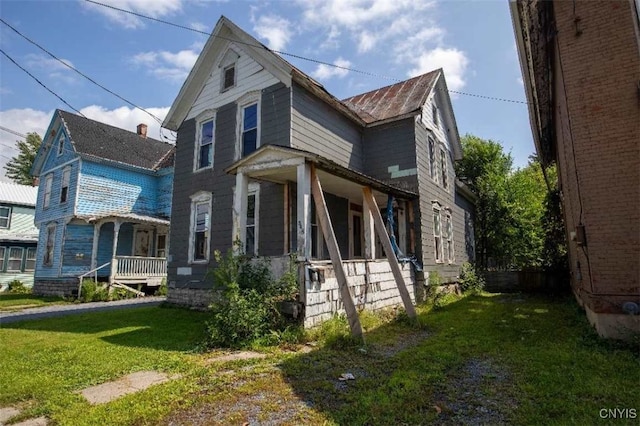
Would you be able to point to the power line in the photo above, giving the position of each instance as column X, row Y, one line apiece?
column 39, row 82
column 79, row 72
column 13, row 131
column 292, row 55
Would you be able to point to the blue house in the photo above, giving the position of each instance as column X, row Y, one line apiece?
column 18, row 234
column 103, row 206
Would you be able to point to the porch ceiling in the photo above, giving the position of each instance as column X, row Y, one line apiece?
column 279, row 164
column 127, row 217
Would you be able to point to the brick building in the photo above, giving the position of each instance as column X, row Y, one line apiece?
column 581, row 69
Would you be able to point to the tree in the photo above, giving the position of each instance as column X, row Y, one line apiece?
column 18, row 169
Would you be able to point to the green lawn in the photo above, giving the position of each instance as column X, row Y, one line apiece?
column 484, row 359
column 11, row 302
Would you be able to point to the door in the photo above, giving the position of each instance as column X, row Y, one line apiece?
column 141, row 244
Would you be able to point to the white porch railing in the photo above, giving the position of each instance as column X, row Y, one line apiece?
column 135, row 267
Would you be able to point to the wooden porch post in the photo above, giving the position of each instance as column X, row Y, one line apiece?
column 334, row 253
column 369, row 233
column 114, row 262
column 303, row 221
column 240, row 212
column 94, row 248
column 391, row 256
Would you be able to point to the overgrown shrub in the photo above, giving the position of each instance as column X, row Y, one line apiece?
column 92, row 291
column 470, row 281
column 163, row 290
column 246, row 299
column 18, row 287
column 433, row 295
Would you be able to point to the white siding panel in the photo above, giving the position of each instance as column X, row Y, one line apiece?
column 250, row 75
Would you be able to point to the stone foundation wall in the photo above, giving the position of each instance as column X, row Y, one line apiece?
column 192, row 297
column 60, row 288
column 371, row 285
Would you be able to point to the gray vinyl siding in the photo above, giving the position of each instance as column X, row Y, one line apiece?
column 275, row 116
column 390, row 145
column 318, row 128
column 339, row 213
column 271, row 226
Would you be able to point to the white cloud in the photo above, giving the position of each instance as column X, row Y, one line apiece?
column 153, row 8
column 54, row 69
column 199, row 26
column 520, row 81
column 167, row 65
column 454, row 62
column 325, row 72
column 30, row 120
column 275, row 29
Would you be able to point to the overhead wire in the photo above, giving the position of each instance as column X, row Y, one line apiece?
column 292, row 55
column 15, row 132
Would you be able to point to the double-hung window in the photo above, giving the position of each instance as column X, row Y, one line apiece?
column 443, row 168
column 251, row 240
column 48, row 250
column 437, row 233
column 3, row 252
column 200, row 235
column 448, row 231
column 64, row 187
column 432, row 159
column 249, row 129
column 48, row 183
column 30, row 259
column 204, row 144
column 5, row 217
column 15, row 259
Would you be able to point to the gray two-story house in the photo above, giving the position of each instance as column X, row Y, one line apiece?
column 255, row 136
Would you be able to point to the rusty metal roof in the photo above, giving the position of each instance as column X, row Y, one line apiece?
column 393, row 101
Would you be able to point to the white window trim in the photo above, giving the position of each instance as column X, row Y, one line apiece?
column 449, row 217
column 229, row 59
column 436, row 208
column 254, row 189
column 203, row 117
column 199, row 197
column 48, row 187
column 166, row 243
column 61, row 140
column 444, row 166
column 244, row 101
column 26, row 259
column 53, row 245
column 67, row 171
column 9, row 259
column 8, row 217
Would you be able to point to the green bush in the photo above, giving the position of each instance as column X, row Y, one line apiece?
column 163, row 290
column 434, row 296
column 246, row 299
column 92, row 291
column 470, row 281
column 18, row 287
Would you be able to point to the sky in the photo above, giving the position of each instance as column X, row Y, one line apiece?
column 146, row 62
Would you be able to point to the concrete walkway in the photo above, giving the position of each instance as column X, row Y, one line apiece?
column 80, row 308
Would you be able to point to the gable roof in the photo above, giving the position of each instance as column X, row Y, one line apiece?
column 98, row 140
column 394, row 101
column 23, row 195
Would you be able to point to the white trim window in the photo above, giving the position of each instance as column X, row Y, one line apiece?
column 30, row 260
column 15, row 259
column 161, row 245
column 48, row 183
column 205, row 138
column 3, row 252
column 249, row 133
column 443, row 168
column 437, row 233
column 5, row 217
column 64, row 186
column 448, row 232
column 200, row 230
column 47, row 260
column 61, row 145
column 432, row 159
column 253, row 219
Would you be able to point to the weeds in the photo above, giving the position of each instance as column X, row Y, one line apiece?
column 470, row 281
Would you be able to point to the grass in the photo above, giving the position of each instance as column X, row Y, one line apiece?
column 483, row 359
column 11, row 302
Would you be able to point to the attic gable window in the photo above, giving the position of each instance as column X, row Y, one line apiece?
column 64, row 187
column 434, row 112
column 228, row 77
column 60, row 145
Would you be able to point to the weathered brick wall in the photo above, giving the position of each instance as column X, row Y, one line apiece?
column 597, row 70
column 371, row 284
column 64, row 287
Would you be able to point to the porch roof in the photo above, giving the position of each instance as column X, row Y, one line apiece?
column 127, row 217
column 278, row 164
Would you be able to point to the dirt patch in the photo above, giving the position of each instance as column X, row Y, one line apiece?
column 7, row 412
column 236, row 356
column 131, row 383
column 475, row 395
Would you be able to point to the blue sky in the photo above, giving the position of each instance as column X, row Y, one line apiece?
column 146, row 62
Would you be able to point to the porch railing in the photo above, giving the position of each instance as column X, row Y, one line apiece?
column 134, row 267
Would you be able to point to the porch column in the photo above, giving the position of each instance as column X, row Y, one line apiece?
column 94, row 248
column 240, row 213
column 391, row 256
column 114, row 262
column 303, row 222
column 369, row 232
